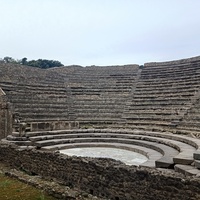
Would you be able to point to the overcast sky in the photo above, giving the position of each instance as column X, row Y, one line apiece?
column 100, row 32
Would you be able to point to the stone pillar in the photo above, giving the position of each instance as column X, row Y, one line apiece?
column 5, row 116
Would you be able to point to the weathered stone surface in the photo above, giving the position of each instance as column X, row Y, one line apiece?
column 197, row 155
column 164, row 162
column 151, row 97
column 5, row 116
column 197, row 164
column 104, row 177
column 183, row 158
column 186, row 169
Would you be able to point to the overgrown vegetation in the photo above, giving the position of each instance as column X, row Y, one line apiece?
column 11, row 189
column 40, row 63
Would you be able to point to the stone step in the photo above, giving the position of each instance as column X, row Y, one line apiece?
column 187, row 170
column 152, row 117
column 146, row 108
column 166, row 161
column 160, row 111
column 15, row 137
column 183, row 139
column 100, row 120
column 166, row 85
column 169, row 100
column 43, row 105
column 151, row 154
column 32, row 87
column 19, row 142
column 138, row 123
column 188, row 140
column 142, row 95
column 184, row 157
column 175, row 72
column 162, row 88
column 173, row 77
column 158, row 104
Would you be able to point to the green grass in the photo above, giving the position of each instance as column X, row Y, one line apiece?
column 11, row 189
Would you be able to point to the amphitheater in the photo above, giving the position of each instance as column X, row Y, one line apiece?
column 152, row 110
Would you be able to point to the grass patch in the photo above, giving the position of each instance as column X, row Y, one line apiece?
column 11, row 189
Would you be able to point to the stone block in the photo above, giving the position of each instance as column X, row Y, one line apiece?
column 185, row 169
column 197, row 164
column 41, row 126
column 196, row 155
column 164, row 162
column 192, row 172
column 183, row 159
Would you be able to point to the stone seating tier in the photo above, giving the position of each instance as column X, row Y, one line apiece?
column 99, row 101
column 169, row 75
column 99, row 110
column 175, row 150
column 169, row 66
column 163, row 89
column 155, row 108
column 34, row 86
column 156, row 93
column 163, row 95
column 173, row 69
column 153, row 117
column 168, row 100
column 86, row 92
column 168, row 72
column 40, row 116
column 102, row 89
column 159, row 111
column 174, row 78
column 174, row 81
column 192, row 62
column 166, row 90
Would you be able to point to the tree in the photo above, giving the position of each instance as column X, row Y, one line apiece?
column 24, row 61
column 40, row 63
column 8, row 59
column 44, row 64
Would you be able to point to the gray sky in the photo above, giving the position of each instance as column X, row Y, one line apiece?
column 100, row 32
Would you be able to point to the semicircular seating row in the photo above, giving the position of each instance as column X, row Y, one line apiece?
column 163, row 150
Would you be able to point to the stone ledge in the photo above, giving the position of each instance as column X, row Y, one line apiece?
column 187, row 170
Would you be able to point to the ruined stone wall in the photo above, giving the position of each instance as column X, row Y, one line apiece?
column 5, row 116
column 103, row 177
column 52, row 125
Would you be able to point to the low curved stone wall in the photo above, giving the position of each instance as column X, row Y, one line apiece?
column 103, row 177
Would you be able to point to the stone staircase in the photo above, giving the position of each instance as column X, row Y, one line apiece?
column 163, row 95
column 99, row 93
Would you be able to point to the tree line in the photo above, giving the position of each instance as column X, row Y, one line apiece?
column 40, row 63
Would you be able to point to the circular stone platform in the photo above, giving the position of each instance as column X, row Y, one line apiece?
column 127, row 157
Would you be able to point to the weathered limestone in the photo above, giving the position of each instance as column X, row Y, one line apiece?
column 159, row 96
column 5, row 116
column 168, row 149
column 99, row 93
column 187, row 170
column 164, row 94
column 104, row 177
